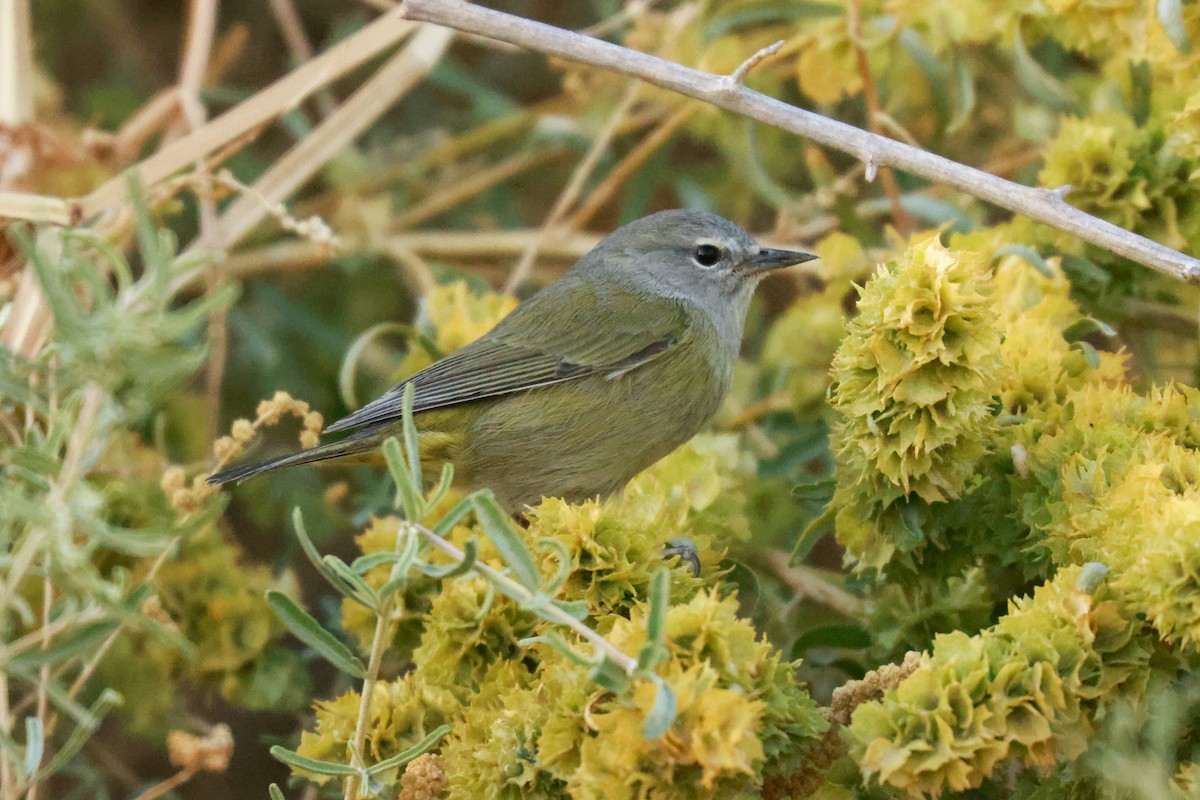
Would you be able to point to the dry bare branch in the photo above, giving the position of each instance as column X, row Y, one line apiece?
column 1039, row 204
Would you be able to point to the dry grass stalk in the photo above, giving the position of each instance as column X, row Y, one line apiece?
column 391, row 82
column 265, row 106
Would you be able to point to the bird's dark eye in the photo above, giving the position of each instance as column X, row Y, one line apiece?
column 706, row 254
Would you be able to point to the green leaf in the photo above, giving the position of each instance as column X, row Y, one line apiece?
column 35, row 744
column 275, row 792
column 411, row 449
column 815, row 531
column 408, row 493
column 565, row 566
column 1079, row 268
column 1089, row 353
column 662, row 713
column 309, row 631
column 1170, row 15
column 470, row 554
column 609, row 675
column 349, row 366
column 1026, row 254
column 364, row 564
column 400, row 759
column 654, row 652
column 1090, row 576
column 577, row 609
column 1086, row 326
column 294, row 759
column 106, row 702
column 555, row 641
column 966, row 96
column 453, row 517
column 70, row 644
column 362, row 591
column 314, row 556
column 1140, row 88
column 1039, row 83
column 445, row 480
column 499, row 529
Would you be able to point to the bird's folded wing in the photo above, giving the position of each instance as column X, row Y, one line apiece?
column 537, row 345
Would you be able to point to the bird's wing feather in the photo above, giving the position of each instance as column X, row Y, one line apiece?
column 563, row 333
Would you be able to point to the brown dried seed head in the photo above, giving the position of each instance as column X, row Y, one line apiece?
column 424, row 778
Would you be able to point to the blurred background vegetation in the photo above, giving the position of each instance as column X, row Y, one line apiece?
column 491, row 174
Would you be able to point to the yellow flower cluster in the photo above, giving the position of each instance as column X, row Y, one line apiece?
column 913, row 382
column 1023, row 690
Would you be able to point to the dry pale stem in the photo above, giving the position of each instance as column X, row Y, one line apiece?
column 900, row 217
column 635, row 158
column 248, row 116
column 472, row 185
column 392, row 81
column 570, row 192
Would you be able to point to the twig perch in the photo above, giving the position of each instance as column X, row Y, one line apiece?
column 1039, row 204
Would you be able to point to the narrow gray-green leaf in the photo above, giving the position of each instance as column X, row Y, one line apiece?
column 106, row 702
column 609, row 675
column 655, row 649
column 555, row 641
column 314, row 556
column 363, row 592
column 1170, row 15
column 408, row 494
column 453, row 517
column 565, row 566
column 470, row 553
column 445, row 481
column 966, row 96
column 309, row 631
column 1089, row 353
column 400, row 759
column 1026, row 254
column 275, row 793
column 411, row 448
column 35, row 744
column 364, row 564
column 662, row 713
column 294, row 759
column 500, row 530
column 576, row 609
column 1039, row 83
column 1086, row 326
column 66, row 646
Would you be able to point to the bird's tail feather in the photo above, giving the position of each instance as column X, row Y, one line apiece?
column 346, row 447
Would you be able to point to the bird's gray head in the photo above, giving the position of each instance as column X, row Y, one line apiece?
column 694, row 256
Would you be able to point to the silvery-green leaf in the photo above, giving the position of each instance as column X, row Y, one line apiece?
column 309, row 631
column 1170, row 15
column 402, row 758
column 294, row 759
column 1039, row 83
column 500, row 530
column 662, row 713
column 1027, row 254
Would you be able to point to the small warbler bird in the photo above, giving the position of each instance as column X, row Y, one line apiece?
column 589, row 381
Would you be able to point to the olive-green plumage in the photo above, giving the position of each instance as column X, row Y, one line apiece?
column 590, row 380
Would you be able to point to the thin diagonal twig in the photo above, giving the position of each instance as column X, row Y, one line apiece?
column 1039, row 204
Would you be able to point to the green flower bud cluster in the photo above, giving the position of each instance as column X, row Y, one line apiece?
column 1118, row 485
column 1027, row 691
column 914, row 381
column 550, row 732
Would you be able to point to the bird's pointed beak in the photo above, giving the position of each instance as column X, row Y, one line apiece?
column 767, row 259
